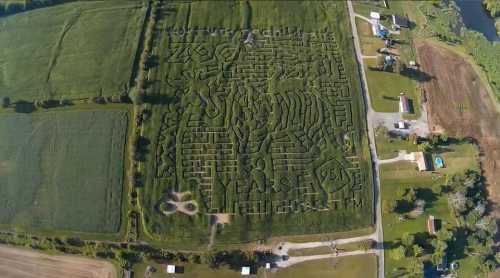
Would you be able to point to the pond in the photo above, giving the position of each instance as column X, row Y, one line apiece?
column 477, row 18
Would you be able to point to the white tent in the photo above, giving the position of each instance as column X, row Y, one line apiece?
column 171, row 269
column 245, row 270
column 375, row 15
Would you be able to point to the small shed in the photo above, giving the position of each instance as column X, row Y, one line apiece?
column 171, row 269
column 245, row 271
column 400, row 21
column 431, row 225
column 404, row 104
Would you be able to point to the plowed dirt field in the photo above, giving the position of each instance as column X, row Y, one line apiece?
column 460, row 106
column 20, row 263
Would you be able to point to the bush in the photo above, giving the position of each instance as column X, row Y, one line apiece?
column 5, row 102
column 24, row 107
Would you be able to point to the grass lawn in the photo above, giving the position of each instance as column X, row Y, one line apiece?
column 322, row 237
column 386, row 87
column 62, row 170
column 73, row 50
column 388, row 147
column 348, row 267
column 369, row 43
column 458, row 158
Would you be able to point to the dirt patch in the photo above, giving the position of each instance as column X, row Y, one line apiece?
column 459, row 104
column 222, row 218
column 20, row 263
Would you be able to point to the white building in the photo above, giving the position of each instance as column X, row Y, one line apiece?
column 375, row 16
column 401, row 125
column 171, row 269
column 245, row 270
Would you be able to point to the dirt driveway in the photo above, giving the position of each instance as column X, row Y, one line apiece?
column 459, row 104
column 21, row 263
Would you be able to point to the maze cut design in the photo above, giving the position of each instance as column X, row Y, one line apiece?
column 260, row 128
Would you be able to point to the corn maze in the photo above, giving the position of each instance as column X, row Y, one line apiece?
column 262, row 123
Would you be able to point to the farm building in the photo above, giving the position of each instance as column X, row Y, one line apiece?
column 404, row 104
column 400, row 21
column 431, row 225
column 245, row 271
column 171, row 269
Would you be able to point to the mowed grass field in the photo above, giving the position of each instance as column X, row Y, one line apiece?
column 72, row 51
column 386, row 87
column 270, row 132
column 346, row 267
column 62, row 170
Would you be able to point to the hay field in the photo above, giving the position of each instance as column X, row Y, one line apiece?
column 62, row 170
column 73, row 50
column 270, row 132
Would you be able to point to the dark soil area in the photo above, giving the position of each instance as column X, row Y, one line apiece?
column 460, row 106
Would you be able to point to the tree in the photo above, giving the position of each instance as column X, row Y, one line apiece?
column 401, row 192
column 389, row 206
column 444, row 138
column 367, row 244
column 417, row 250
column 407, row 240
column 434, row 139
column 488, row 266
column 444, row 235
column 137, row 95
column 416, row 267
column 5, row 102
column 411, row 196
column 437, row 257
column 398, row 253
column 424, row 147
column 439, row 245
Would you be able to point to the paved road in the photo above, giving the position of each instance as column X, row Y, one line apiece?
column 370, row 21
column 419, row 126
column 283, row 248
column 371, row 140
column 300, row 259
column 402, row 156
